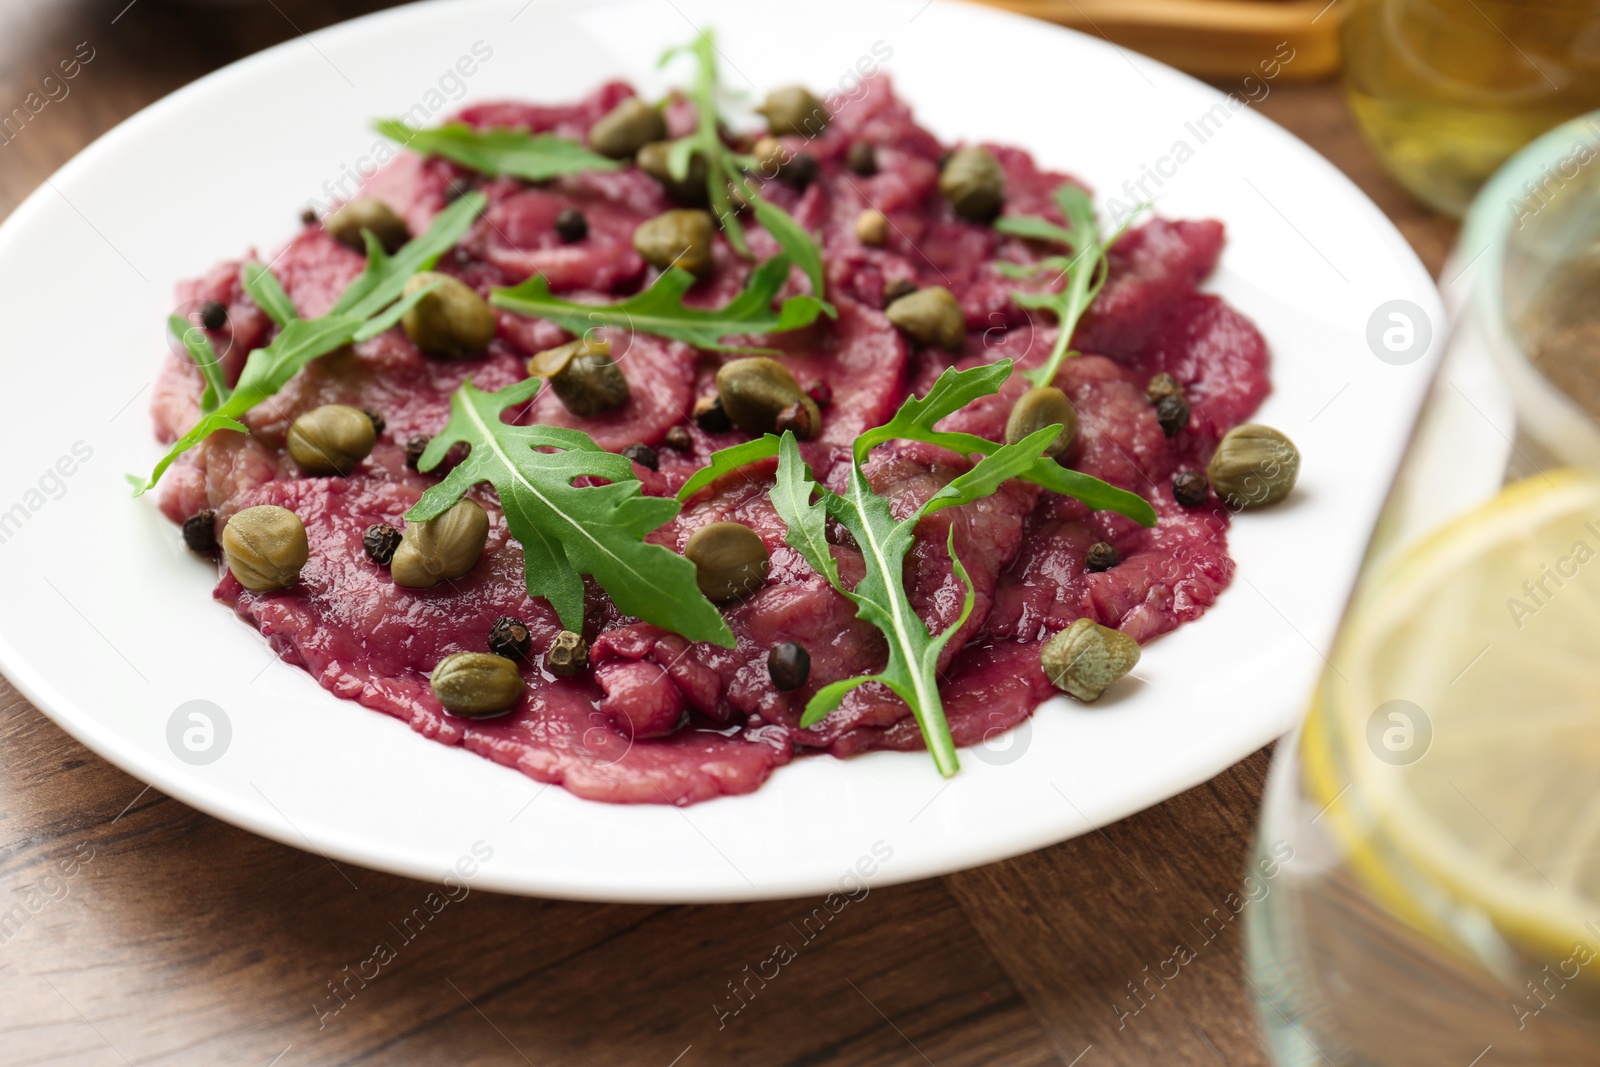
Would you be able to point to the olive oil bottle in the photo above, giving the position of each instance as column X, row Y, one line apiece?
column 1447, row 90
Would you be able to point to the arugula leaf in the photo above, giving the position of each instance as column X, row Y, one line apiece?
column 499, row 152
column 264, row 289
column 366, row 308
column 725, row 166
column 198, row 345
column 569, row 531
column 880, row 597
column 1085, row 269
column 660, row 310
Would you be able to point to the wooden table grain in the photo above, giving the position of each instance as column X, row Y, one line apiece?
column 134, row 929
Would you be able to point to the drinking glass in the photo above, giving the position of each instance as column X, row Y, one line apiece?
column 1430, row 836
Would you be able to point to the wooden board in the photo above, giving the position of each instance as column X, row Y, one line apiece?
column 177, row 939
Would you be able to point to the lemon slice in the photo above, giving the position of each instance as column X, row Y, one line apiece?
column 1456, row 737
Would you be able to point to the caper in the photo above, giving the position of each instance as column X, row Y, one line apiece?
column 730, row 560
column 678, row 238
column 584, row 376
column 452, row 321
column 567, row 655
column 1162, row 385
column 200, row 532
column 1253, row 466
column 1041, row 406
column 794, row 110
column 444, row 547
column 861, row 158
column 509, row 637
column 1172, row 412
column 627, row 128
column 756, row 390
column 367, row 213
column 1085, row 658
column 973, row 182
column 690, row 189
column 872, row 227
column 265, row 547
column 771, row 154
column 932, row 316
column 1190, row 489
column 332, row 439
column 476, row 684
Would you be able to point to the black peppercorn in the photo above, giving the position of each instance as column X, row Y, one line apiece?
column 818, row 390
column 789, row 665
column 898, row 288
column 800, row 171
column 1161, row 386
column 380, row 541
column 678, row 438
column 571, row 225
column 213, row 316
column 567, row 655
column 1172, row 413
column 710, row 416
column 1102, row 556
column 509, row 637
column 308, row 217
column 1191, row 489
column 644, row 456
column 200, row 532
column 378, row 421
column 862, row 158
column 798, row 418
column 414, row 449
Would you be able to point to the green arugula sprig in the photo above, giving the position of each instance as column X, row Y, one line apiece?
column 369, row 305
column 500, row 151
column 569, row 531
column 1084, row 269
column 880, row 597
column 726, row 169
column 660, row 309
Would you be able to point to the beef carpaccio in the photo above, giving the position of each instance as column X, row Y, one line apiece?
column 658, row 719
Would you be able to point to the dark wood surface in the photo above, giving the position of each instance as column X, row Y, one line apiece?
column 152, row 933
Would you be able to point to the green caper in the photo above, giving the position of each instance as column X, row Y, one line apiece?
column 332, row 439
column 265, row 547
column 973, row 183
column 444, row 547
column 627, row 128
column 756, row 391
column 1253, row 466
column 730, row 560
column 794, row 110
column 476, row 684
column 1085, row 658
column 584, row 376
column 1041, row 406
column 677, row 238
column 367, row 213
column 451, row 321
column 932, row 316
column 690, row 189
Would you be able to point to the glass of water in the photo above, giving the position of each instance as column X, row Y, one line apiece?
column 1433, row 827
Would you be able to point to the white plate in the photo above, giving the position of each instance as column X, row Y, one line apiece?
column 108, row 625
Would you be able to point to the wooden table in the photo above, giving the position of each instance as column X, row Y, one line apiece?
column 181, row 939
